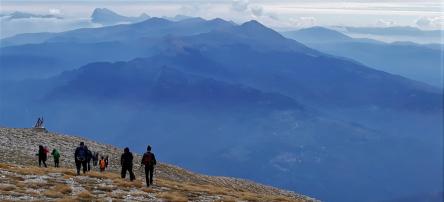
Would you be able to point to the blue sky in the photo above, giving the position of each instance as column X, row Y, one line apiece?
column 278, row 14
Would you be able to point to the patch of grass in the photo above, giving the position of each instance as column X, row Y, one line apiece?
column 69, row 172
column 226, row 199
column 7, row 187
column 147, row 190
column 97, row 175
column 125, row 184
column 52, row 194
column 62, row 188
column 85, row 195
column 4, row 166
column 16, row 178
column 173, row 196
column 105, row 188
column 66, row 199
column 37, row 185
column 31, row 170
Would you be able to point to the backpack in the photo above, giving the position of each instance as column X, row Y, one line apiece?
column 148, row 159
column 81, row 154
column 56, row 155
column 102, row 164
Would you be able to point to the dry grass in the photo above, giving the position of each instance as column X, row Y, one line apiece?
column 38, row 185
column 105, row 188
column 171, row 190
column 68, row 172
column 4, row 166
column 31, row 170
column 62, row 188
column 52, row 194
column 66, row 200
column 126, row 184
column 226, row 199
column 173, row 196
column 7, row 187
column 85, row 195
column 147, row 190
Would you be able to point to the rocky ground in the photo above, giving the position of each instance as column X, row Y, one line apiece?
column 21, row 179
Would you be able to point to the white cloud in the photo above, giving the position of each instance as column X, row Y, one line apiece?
column 54, row 11
column 385, row 23
column 257, row 10
column 430, row 22
column 240, row 5
column 191, row 9
column 304, row 21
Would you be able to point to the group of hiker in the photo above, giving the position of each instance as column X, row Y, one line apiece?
column 83, row 156
column 43, row 156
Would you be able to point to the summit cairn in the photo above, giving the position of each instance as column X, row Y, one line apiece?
column 38, row 126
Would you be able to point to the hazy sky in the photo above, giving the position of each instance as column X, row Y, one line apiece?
column 278, row 14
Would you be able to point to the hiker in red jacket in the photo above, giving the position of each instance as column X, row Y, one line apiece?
column 43, row 155
column 149, row 161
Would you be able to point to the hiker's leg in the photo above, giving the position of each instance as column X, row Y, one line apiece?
column 40, row 162
column 78, row 165
column 123, row 173
column 147, row 177
column 132, row 176
column 84, row 166
column 44, row 163
column 151, row 174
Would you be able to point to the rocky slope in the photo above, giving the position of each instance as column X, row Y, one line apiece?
column 21, row 179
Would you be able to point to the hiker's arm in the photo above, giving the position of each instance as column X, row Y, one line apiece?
column 154, row 159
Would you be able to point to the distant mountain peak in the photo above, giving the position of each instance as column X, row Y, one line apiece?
column 317, row 34
column 104, row 13
column 106, row 16
column 252, row 23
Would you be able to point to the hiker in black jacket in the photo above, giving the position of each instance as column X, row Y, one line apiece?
column 149, row 161
column 88, row 159
column 95, row 158
column 126, row 161
column 80, row 156
column 42, row 156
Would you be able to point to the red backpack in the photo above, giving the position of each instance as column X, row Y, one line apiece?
column 148, row 159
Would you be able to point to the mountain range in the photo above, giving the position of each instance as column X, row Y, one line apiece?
column 235, row 100
column 414, row 61
column 394, row 33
